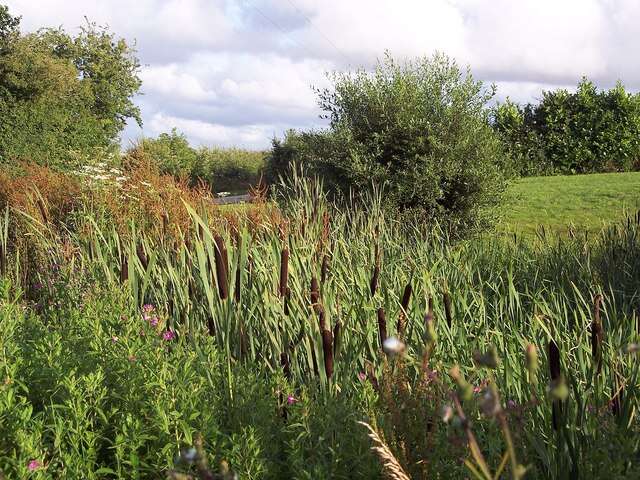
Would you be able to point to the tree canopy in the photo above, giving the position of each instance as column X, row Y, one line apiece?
column 63, row 97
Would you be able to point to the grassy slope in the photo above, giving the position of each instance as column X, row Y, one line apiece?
column 587, row 201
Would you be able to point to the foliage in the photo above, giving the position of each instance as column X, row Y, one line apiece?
column 570, row 203
column 269, row 341
column 64, row 99
column 580, row 132
column 232, row 169
column 420, row 128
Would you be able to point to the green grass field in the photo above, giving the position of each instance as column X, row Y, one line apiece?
column 586, row 201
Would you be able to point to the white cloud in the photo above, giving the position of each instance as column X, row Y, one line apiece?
column 228, row 71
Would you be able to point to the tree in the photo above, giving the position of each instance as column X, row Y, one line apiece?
column 62, row 97
column 421, row 128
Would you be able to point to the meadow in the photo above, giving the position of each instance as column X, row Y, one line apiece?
column 564, row 202
column 287, row 342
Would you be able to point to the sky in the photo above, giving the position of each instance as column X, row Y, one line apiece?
column 239, row 72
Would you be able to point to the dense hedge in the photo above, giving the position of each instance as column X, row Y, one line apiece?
column 585, row 131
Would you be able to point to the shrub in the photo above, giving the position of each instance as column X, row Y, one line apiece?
column 573, row 132
column 421, row 128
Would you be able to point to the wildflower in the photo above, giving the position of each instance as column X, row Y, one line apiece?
column 34, row 465
column 362, row 376
column 168, row 335
column 393, row 346
column 447, row 413
column 148, row 308
column 511, row 404
column 153, row 321
column 291, row 400
column 189, row 455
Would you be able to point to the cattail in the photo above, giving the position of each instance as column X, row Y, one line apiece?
column 142, row 256
column 124, row 268
column 237, row 287
column 531, row 358
column 284, row 272
column 287, row 300
column 373, row 286
column 286, row 366
column 554, row 360
column 447, row 308
column 327, row 348
column 222, row 267
column 596, row 334
column 324, row 270
column 556, row 381
column 165, row 224
column 382, row 326
column 315, row 294
column 430, row 329
column 337, row 330
column 321, row 318
column 406, row 296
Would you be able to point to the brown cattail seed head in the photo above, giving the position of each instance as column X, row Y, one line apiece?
column 447, row 308
column 382, row 326
column 554, row 360
column 222, row 267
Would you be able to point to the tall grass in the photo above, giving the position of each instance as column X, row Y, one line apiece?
column 255, row 293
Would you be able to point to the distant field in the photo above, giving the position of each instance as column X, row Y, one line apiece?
column 586, row 201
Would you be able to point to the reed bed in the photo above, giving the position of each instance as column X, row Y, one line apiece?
column 315, row 294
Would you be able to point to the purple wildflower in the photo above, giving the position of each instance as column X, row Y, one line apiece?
column 291, row 400
column 168, row 335
column 34, row 465
column 362, row 376
column 148, row 308
column 153, row 321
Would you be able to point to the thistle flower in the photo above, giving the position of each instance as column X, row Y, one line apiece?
column 430, row 329
column 465, row 390
column 34, row 465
